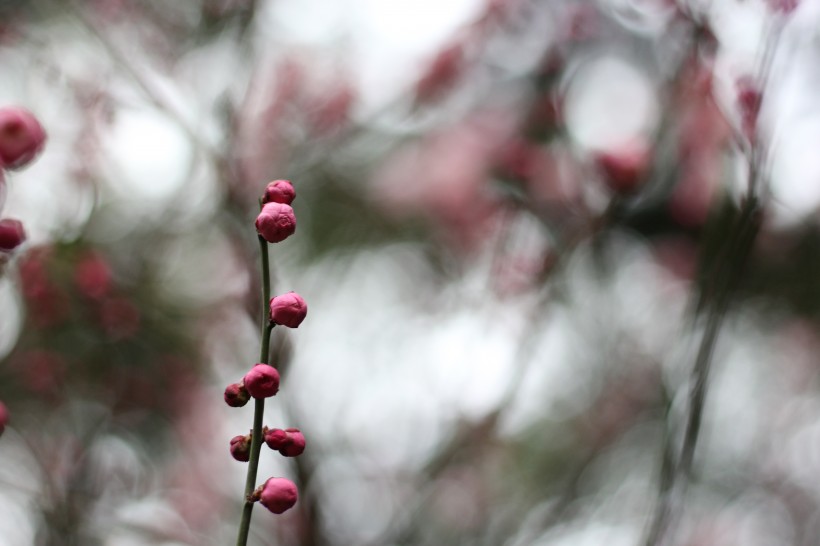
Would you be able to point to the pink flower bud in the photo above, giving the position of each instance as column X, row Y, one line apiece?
column 277, row 439
column 241, row 448
column 624, row 169
column 289, row 442
column 262, row 381
column 276, row 222
column 296, row 445
column 236, row 395
column 4, row 417
column 278, row 495
column 288, row 310
column 21, row 137
column 749, row 98
column 279, row 191
column 12, row 234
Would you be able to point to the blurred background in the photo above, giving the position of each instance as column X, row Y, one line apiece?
column 507, row 213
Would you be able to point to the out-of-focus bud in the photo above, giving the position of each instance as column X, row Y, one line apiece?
column 21, row 137
column 262, row 381
column 442, row 73
column 288, row 310
column 236, row 395
column 277, row 495
column 749, row 99
column 625, row 168
column 276, row 222
column 241, row 448
column 279, row 191
column 4, row 417
column 12, row 234
column 92, row 275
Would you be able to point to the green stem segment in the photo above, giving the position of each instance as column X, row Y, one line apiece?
column 259, row 404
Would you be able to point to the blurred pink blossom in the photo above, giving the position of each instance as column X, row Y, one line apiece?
column 443, row 178
column 92, row 275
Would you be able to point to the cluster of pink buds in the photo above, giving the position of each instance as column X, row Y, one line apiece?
column 21, row 139
column 275, row 223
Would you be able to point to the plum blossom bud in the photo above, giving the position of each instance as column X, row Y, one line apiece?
column 262, row 381
column 289, row 442
column 624, row 169
column 277, row 439
column 276, row 222
column 288, row 310
column 296, row 445
column 12, row 234
column 749, row 98
column 21, row 137
column 241, row 448
column 4, row 417
column 277, row 495
column 279, row 191
column 236, row 395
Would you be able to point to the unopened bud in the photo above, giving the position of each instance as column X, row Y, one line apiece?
column 277, row 439
column 750, row 99
column 296, row 446
column 277, row 495
column 624, row 169
column 236, row 395
column 12, row 234
column 21, row 137
column 288, row 310
column 279, row 191
column 241, row 448
column 276, row 222
column 262, row 381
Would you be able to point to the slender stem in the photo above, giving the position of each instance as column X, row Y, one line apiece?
column 259, row 404
column 674, row 478
column 263, row 250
